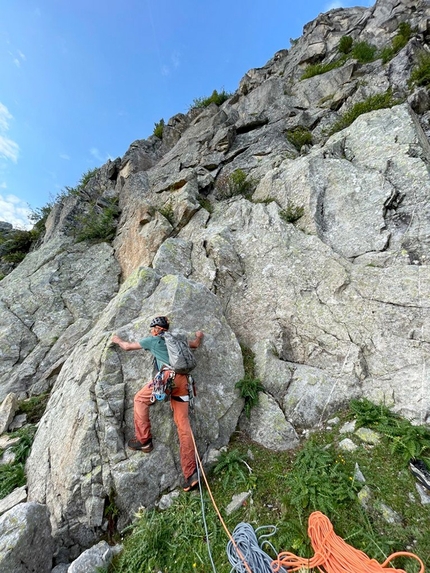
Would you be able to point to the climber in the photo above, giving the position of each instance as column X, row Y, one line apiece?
column 178, row 393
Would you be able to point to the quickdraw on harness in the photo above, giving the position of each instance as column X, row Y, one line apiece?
column 162, row 384
column 191, row 391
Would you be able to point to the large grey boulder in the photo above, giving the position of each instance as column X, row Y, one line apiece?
column 26, row 545
column 92, row 560
column 268, row 426
column 79, row 457
column 46, row 305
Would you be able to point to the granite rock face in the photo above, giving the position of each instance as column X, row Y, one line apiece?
column 319, row 265
column 26, row 544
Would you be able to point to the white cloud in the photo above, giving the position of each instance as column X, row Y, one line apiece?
column 65, row 156
column 9, row 149
column 3, row 185
column 346, row 4
column 332, row 5
column 5, row 116
column 97, row 154
column 15, row 211
column 165, row 71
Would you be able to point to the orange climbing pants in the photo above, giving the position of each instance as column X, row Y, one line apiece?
column 142, row 424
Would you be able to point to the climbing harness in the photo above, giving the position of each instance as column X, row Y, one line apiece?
column 162, row 384
column 333, row 554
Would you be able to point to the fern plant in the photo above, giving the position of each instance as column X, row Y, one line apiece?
column 249, row 386
column 233, row 468
column 320, row 481
column 249, row 389
column 407, row 440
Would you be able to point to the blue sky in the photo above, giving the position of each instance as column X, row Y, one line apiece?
column 80, row 81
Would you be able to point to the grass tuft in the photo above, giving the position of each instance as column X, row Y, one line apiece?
column 318, row 69
column 236, row 183
column 12, row 475
column 216, row 97
column 420, row 75
column 372, row 103
column 292, row 213
column 299, row 136
column 99, row 223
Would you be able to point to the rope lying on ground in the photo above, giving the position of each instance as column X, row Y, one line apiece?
column 333, row 554
column 200, row 465
column 256, row 558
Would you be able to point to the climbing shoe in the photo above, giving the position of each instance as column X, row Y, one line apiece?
column 145, row 447
column 192, row 482
column 419, row 470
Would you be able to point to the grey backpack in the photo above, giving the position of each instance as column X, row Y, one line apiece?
column 181, row 358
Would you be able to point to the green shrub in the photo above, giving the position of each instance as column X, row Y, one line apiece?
column 299, row 136
column 236, row 183
column 159, row 128
column 85, row 177
column 387, row 54
column 216, row 97
column 38, row 217
column 398, row 42
column 318, row 69
column 205, row 203
column 372, row 103
column 99, row 223
column 420, row 75
column 364, row 52
column 402, row 37
column 167, row 212
column 292, row 213
column 345, row 44
column 15, row 248
column 170, row 540
column 34, row 407
column 12, row 475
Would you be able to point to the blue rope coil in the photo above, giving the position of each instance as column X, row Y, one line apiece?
column 246, row 540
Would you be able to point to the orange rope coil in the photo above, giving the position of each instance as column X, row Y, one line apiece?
column 333, row 554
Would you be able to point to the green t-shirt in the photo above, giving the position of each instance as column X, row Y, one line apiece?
column 157, row 346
